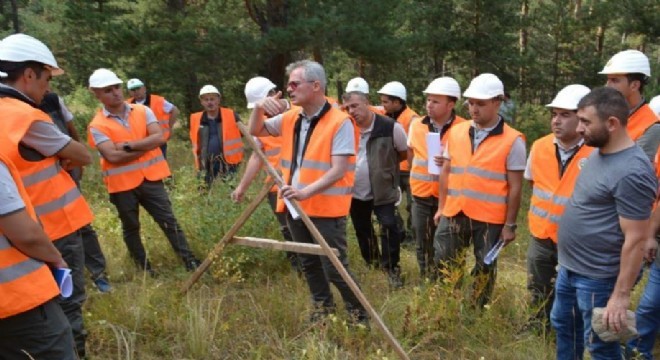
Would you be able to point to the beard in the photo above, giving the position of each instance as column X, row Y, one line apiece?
column 598, row 138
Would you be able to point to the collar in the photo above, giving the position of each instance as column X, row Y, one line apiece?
column 316, row 113
column 6, row 90
column 395, row 115
column 371, row 127
column 495, row 130
column 127, row 109
column 637, row 107
column 576, row 146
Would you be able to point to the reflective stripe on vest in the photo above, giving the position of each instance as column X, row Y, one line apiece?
column 64, row 200
column 133, row 167
column 424, row 177
column 17, row 270
column 272, row 152
column 330, row 191
column 477, row 195
column 43, row 175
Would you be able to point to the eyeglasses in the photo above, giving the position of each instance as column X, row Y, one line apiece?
column 294, row 84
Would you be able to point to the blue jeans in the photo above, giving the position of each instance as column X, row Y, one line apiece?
column 648, row 315
column 575, row 298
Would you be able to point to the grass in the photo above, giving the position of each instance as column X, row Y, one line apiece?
column 250, row 305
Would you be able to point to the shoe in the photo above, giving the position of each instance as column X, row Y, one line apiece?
column 394, row 278
column 192, row 264
column 102, row 284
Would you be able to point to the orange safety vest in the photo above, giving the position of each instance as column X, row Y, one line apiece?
column 156, row 104
column 129, row 175
column 640, row 121
column 232, row 145
column 25, row 283
column 477, row 181
column 551, row 192
column 272, row 148
column 405, row 119
column 423, row 184
column 58, row 203
column 334, row 201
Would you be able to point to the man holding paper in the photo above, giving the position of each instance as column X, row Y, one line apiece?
column 441, row 97
column 317, row 162
column 382, row 146
column 480, row 186
column 554, row 163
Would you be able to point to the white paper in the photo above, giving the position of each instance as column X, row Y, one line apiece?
column 494, row 252
column 433, row 148
column 292, row 211
column 64, row 281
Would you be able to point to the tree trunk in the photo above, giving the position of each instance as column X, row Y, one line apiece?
column 524, row 11
column 14, row 16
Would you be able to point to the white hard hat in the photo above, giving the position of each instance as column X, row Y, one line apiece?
column 655, row 105
column 628, row 62
column 357, row 84
column 208, row 89
column 21, row 47
column 444, row 86
column 485, row 86
column 394, row 88
column 133, row 84
column 256, row 89
column 101, row 78
column 569, row 97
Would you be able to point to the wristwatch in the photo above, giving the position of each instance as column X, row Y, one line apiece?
column 127, row 147
column 513, row 227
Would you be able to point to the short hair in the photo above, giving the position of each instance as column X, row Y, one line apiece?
column 14, row 70
column 643, row 79
column 312, row 71
column 347, row 96
column 608, row 102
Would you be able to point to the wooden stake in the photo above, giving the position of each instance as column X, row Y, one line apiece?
column 302, row 248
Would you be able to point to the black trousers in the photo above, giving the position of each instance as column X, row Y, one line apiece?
column 541, row 275
column 319, row 271
column 391, row 234
column 153, row 197
column 453, row 236
column 43, row 332
column 284, row 229
column 423, row 210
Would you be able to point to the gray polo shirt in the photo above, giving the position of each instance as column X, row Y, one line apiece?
column 99, row 137
column 362, row 187
column 610, row 186
column 10, row 198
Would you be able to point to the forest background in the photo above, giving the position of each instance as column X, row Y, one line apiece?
column 251, row 306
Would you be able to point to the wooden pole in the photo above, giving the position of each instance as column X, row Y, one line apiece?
column 301, row 248
column 228, row 236
column 326, row 248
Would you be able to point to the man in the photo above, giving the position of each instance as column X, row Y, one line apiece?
column 256, row 89
column 602, row 230
column 393, row 97
column 554, row 163
column 165, row 111
column 42, row 154
column 128, row 138
column 441, row 97
column 382, row 146
column 317, row 156
column 31, row 321
column 628, row 72
column 480, row 187
column 216, row 140
column 360, row 85
column 53, row 105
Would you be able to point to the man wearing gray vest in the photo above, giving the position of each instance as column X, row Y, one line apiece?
column 382, row 147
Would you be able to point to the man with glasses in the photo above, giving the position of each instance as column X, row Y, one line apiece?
column 317, row 162
column 166, row 113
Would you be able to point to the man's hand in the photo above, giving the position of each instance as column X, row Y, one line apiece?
column 272, row 104
column 650, row 249
column 508, row 235
column 438, row 160
column 436, row 217
column 288, row 192
column 615, row 314
column 237, row 195
column 58, row 265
